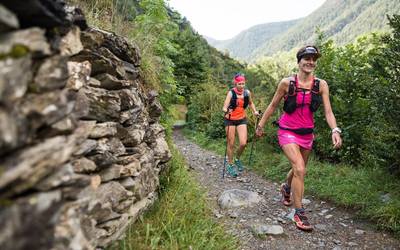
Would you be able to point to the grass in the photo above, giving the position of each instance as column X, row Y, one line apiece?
column 359, row 189
column 181, row 219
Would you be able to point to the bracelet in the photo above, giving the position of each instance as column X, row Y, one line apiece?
column 336, row 130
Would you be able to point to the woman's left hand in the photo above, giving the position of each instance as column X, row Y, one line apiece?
column 336, row 140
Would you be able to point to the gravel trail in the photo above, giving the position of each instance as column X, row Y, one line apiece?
column 334, row 228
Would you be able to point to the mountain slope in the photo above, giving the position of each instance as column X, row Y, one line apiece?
column 331, row 17
column 341, row 20
column 242, row 45
column 373, row 18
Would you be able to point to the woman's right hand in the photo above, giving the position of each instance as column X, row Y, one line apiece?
column 227, row 113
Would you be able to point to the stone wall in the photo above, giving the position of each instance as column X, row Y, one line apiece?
column 81, row 146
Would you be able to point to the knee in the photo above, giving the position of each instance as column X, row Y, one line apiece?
column 231, row 141
column 243, row 144
column 299, row 169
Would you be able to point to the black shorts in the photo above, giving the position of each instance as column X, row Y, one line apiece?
column 235, row 122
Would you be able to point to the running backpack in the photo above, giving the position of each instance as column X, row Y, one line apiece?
column 233, row 103
column 290, row 103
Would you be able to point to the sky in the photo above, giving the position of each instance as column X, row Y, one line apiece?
column 223, row 19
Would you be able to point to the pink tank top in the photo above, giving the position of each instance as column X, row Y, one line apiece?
column 302, row 117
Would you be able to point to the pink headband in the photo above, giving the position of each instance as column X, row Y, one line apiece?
column 239, row 79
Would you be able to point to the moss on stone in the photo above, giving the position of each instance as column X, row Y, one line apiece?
column 6, row 202
column 17, row 51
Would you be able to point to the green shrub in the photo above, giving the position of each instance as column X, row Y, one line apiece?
column 215, row 128
column 205, row 108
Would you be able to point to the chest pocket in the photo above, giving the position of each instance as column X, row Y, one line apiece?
column 290, row 103
column 233, row 103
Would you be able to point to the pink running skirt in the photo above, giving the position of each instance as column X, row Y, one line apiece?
column 287, row 137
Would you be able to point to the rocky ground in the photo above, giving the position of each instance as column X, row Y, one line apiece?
column 335, row 228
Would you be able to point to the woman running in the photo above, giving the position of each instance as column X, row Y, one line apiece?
column 302, row 94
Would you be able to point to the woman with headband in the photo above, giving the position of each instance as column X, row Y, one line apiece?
column 302, row 94
column 236, row 102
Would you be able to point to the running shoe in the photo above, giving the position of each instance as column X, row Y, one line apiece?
column 239, row 165
column 301, row 221
column 285, row 190
column 231, row 170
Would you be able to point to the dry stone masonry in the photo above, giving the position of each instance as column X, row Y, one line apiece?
column 81, row 146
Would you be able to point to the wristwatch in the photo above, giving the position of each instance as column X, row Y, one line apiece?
column 336, row 130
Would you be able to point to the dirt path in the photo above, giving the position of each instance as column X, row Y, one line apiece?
column 334, row 227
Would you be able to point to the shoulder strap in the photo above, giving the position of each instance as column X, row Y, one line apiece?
column 292, row 87
column 234, row 95
column 315, row 87
column 233, row 104
column 246, row 98
column 246, row 93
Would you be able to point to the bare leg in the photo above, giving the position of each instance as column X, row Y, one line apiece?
column 289, row 178
column 305, row 153
column 230, row 135
column 292, row 152
column 242, row 134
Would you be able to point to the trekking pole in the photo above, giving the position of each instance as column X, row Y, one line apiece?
column 226, row 147
column 254, row 137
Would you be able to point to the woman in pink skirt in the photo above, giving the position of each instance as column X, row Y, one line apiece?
column 302, row 93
